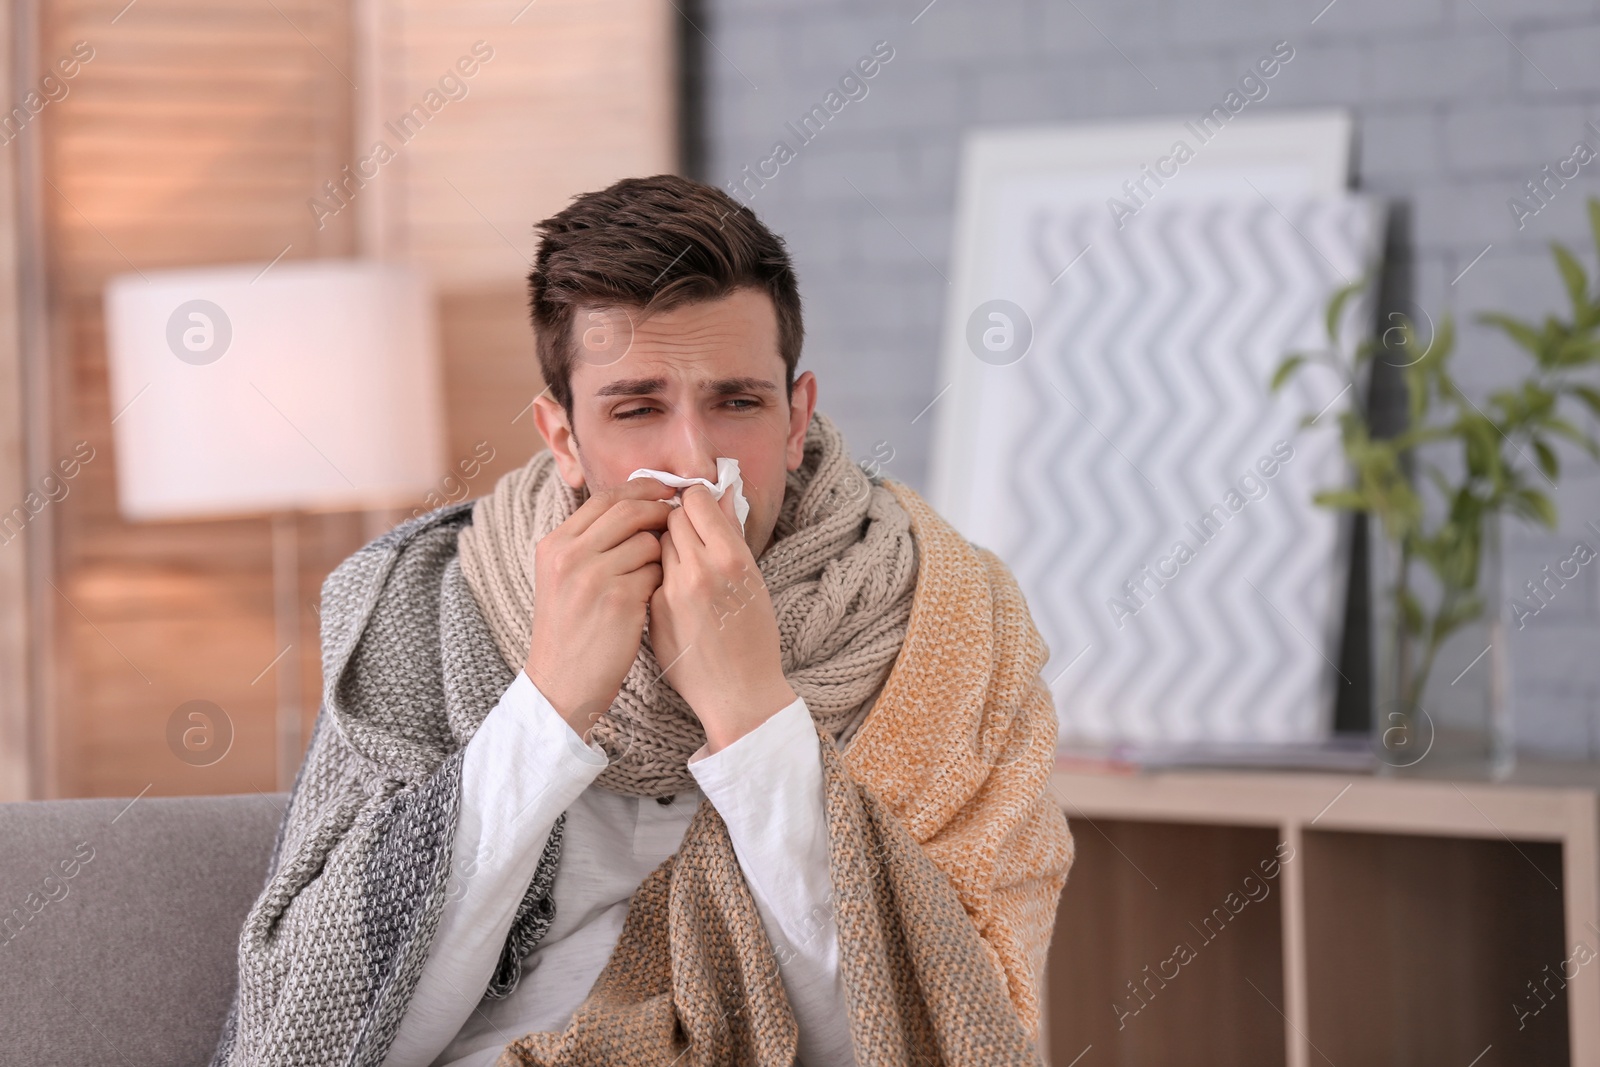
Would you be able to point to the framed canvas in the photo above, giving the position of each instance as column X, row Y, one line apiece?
column 1104, row 420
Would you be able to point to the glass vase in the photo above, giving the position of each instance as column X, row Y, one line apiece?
column 1457, row 722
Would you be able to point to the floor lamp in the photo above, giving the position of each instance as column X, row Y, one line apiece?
column 302, row 386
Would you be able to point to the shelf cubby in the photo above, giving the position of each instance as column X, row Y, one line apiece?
column 1169, row 952
column 1422, row 949
column 1410, row 921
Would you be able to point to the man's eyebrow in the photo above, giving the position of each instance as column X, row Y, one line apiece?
column 632, row 387
column 719, row 386
column 725, row 386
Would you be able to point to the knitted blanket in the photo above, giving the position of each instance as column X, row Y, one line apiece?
column 947, row 854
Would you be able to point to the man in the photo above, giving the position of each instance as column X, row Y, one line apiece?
column 762, row 786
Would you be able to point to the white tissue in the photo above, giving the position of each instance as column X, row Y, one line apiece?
column 728, row 480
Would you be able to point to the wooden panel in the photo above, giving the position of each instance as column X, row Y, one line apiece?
column 1120, row 979
column 1432, row 950
column 493, row 379
column 577, row 94
column 193, row 135
column 16, row 478
column 1396, row 804
column 564, row 97
column 208, row 131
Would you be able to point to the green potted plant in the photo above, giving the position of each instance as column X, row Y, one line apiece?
column 1504, row 461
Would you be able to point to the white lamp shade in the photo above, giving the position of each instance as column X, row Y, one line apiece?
column 312, row 385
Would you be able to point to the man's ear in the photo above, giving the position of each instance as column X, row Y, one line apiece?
column 802, row 402
column 551, row 418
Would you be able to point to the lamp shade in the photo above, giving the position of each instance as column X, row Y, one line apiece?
column 311, row 385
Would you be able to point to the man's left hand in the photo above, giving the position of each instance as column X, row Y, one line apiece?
column 711, row 621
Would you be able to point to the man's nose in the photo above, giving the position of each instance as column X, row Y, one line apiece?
column 688, row 450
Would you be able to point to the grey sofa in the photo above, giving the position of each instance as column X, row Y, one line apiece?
column 119, row 924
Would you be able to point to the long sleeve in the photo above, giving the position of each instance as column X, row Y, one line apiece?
column 522, row 768
column 767, row 786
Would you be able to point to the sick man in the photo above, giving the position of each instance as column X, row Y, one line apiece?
column 690, row 743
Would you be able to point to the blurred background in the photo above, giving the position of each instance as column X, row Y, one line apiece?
column 192, row 178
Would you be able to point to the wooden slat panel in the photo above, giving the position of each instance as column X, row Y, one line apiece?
column 16, row 480
column 199, row 133
column 578, row 93
column 193, row 136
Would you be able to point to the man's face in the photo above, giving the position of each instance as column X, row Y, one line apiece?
column 697, row 382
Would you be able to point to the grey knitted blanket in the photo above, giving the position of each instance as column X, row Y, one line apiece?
column 332, row 948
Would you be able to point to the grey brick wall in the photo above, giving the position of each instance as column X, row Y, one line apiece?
column 1458, row 103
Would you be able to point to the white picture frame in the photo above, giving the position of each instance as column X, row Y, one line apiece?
column 1032, row 201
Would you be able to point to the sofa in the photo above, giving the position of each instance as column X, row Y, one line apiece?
column 119, row 924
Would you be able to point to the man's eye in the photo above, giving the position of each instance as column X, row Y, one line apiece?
column 632, row 412
column 745, row 400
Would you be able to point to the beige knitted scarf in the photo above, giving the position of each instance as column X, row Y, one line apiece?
column 841, row 571
column 947, row 854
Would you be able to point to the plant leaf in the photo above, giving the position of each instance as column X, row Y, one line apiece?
column 1336, row 306
column 1576, row 281
column 1520, row 332
column 1578, row 350
column 1348, row 499
column 1285, row 369
column 1537, row 506
column 1547, row 459
column 1569, row 431
column 1589, row 395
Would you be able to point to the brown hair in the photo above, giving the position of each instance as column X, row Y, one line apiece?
column 653, row 244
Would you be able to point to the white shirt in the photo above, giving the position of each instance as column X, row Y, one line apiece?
column 522, row 768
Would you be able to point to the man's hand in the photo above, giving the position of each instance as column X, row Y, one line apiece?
column 593, row 579
column 711, row 621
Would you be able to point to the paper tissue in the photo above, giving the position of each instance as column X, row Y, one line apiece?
column 728, row 480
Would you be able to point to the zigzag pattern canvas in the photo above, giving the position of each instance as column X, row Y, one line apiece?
column 1151, row 495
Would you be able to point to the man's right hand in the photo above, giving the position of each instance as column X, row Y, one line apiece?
column 593, row 578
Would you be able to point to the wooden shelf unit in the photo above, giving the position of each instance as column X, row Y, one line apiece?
column 1242, row 918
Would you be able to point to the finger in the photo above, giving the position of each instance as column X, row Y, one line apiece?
column 641, row 549
column 644, row 582
column 710, row 523
column 669, row 551
column 600, row 503
column 623, row 519
column 685, row 541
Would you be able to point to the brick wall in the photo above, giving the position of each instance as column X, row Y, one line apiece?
column 1458, row 104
